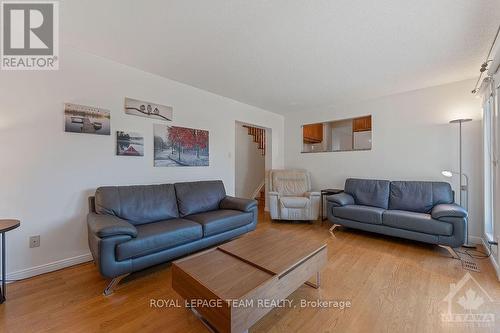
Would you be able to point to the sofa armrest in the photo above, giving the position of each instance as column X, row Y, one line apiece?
column 244, row 205
column 341, row 199
column 312, row 194
column 274, row 205
column 108, row 225
column 448, row 210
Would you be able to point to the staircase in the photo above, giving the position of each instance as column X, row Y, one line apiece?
column 259, row 137
column 261, row 198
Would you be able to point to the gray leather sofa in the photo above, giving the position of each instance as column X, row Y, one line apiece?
column 421, row 211
column 134, row 227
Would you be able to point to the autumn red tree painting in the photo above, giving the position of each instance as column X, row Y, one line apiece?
column 180, row 146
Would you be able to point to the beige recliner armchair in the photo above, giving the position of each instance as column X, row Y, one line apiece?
column 290, row 196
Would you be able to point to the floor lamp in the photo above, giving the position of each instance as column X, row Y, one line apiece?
column 463, row 187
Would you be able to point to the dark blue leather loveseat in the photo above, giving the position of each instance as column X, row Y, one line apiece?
column 134, row 227
column 421, row 211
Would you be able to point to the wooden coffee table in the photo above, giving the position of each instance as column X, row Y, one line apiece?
column 235, row 284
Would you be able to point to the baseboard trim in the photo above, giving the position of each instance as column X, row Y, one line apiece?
column 50, row 267
column 482, row 241
column 476, row 240
column 492, row 259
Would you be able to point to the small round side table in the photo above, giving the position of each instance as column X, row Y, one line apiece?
column 5, row 225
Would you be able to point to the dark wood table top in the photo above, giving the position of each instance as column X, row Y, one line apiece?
column 274, row 251
column 6, row 225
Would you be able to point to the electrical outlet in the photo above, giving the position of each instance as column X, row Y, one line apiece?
column 34, row 241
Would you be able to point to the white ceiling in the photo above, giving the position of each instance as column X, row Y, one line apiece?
column 290, row 55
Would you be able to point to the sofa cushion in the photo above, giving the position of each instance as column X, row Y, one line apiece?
column 197, row 197
column 368, row 192
column 365, row 214
column 411, row 196
column 414, row 221
column 158, row 236
column 138, row 204
column 219, row 221
column 294, row 202
column 417, row 196
column 442, row 193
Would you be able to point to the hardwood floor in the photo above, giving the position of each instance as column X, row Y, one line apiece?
column 393, row 285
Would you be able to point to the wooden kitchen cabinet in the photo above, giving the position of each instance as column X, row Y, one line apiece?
column 313, row 133
column 362, row 124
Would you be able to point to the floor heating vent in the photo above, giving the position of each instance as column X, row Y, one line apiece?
column 470, row 265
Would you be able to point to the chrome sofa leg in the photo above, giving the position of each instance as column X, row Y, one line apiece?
column 451, row 250
column 333, row 228
column 113, row 283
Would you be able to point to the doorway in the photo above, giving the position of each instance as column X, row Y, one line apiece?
column 252, row 161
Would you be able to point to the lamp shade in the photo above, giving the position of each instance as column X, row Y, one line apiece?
column 460, row 121
column 447, row 173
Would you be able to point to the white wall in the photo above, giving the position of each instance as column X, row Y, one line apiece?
column 412, row 140
column 46, row 174
column 250, row 164
column 496, row 177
